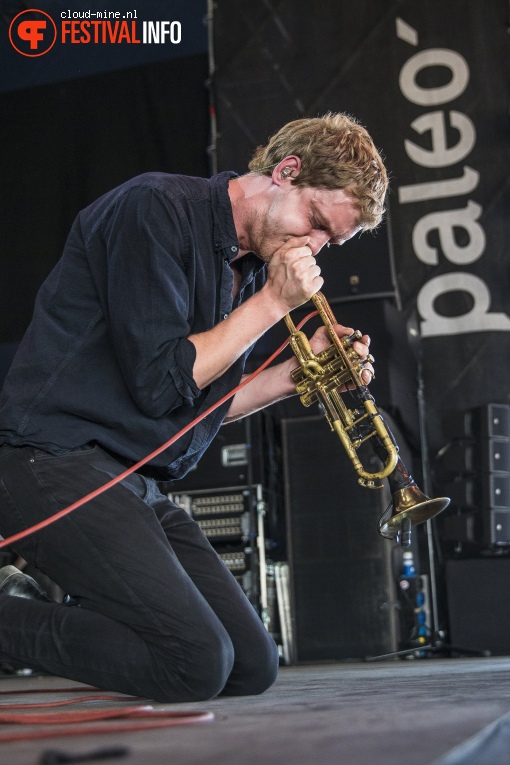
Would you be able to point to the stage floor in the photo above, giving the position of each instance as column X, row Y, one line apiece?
column 399, row 712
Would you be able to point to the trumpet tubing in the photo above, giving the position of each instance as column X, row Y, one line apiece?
column 319, row 378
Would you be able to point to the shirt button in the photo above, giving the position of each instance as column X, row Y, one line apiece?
column 225, row 315
column 234, row 249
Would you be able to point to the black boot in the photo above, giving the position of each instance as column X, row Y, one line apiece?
column 15, row 582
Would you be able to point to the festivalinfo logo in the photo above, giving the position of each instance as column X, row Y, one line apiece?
column 33, row 32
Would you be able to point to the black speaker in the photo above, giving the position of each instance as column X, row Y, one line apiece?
column 478, row 594
column 496, row 456
column 240, row 454
column 478, row 461
column 343, row 595
column 489, row 421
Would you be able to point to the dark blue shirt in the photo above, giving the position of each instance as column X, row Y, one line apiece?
column 106, row 357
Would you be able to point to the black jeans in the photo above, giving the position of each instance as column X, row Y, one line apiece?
column 159, row 615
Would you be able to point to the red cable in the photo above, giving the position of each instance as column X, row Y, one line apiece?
column 88, row 715
column 166, row 445
column 151, row 718
column 148, row 719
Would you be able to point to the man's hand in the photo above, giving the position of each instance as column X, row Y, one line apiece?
column 321, row 340
column 293, row 275
column 275, row 383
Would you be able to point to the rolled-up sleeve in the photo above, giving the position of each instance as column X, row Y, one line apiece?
column 147, row 302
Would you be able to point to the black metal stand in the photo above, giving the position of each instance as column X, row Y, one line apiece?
column 436, row 644
column 416, row 345
column 430, row 648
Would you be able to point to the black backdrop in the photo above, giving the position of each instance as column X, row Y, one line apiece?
column 72, row 128
column 64, row 144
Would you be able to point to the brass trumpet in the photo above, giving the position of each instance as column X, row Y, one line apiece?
column 318, row 378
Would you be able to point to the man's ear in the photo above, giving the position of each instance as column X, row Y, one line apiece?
column 287, row 169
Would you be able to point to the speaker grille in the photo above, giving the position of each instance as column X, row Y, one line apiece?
column 343, row 594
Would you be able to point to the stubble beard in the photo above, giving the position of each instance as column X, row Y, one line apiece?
column 263, row 238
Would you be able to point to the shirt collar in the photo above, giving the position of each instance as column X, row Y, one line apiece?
column 224, row 232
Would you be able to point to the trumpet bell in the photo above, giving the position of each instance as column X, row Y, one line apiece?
column 409, row 502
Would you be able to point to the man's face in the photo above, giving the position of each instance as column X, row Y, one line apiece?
column 323, row 215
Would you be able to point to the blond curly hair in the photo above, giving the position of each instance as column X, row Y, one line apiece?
column 336, row 152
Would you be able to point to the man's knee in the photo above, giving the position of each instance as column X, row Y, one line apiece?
column 265, row 675
column 256, row 672
column 203, row 675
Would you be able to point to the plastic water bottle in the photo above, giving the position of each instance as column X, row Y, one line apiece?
column 408, row 569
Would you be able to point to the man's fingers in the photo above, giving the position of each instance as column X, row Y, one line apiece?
column 368, row 374
column 295, row 243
